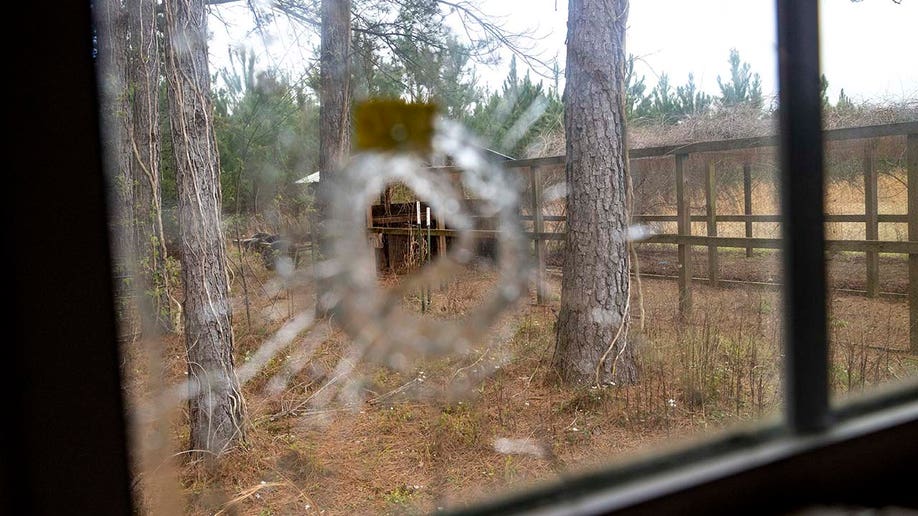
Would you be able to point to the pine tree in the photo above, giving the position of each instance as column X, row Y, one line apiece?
column 423, row 62
column 664, row 106
column 512, row 119
column 690, row 101
column 844, row 102
column 637, row 104
column 264, row 144
column 216, row 409
column 744, row 87
column 824, row 91
column 155, row 267
column 591, row 333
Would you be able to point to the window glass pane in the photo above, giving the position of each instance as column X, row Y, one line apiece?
column 381, row 310
column 868, row 186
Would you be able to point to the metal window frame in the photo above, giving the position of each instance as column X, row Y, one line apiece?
column 801, row 157
column 66, row 449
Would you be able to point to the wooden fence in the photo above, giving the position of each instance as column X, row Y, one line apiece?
column 685, row 240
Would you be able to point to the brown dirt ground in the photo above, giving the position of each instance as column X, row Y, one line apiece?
column 846, row 270
column 410, row 446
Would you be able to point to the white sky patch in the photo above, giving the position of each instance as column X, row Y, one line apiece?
column 868, row 47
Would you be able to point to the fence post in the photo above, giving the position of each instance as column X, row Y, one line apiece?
column 710, row 199
column 539, row 244
column 871, row 212
column 684, row 228
column 377, row 252
column 912, row 159
column 441, row 238
column 747, row 202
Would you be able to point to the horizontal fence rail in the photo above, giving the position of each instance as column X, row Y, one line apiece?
column 872, row 246
column 882, row 246
column 852, row 133
column 892, row 218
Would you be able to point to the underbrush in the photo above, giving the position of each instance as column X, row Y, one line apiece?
column 449, row 430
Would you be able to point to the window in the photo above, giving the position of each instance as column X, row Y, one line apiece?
column 69, row 440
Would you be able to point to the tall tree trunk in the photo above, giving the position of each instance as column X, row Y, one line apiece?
column 592, row 328
column 216, row 407
column 145, row 150
column 334, row 106
column 116, row 123
column 335, row 100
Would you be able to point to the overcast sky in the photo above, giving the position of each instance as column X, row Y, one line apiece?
column 869, row 48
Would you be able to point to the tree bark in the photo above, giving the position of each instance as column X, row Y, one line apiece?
column 334, row 108
column 116, row 123
column 153, row 277
column 216, row 407
column 592, row 328
column 335, row 98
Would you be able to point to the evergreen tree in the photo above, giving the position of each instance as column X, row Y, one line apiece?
column 423, row 61
column 637, row 104
column 824, row 91
column 743, row 87
column 265, row 143
column 844, row 102
column 512, row 119
column 664, row 105
column 690, row 100
column 373, row 75
column 154, row 267
column 441, row 75
column 216, row 409
column 112, row 46
column 591, row 339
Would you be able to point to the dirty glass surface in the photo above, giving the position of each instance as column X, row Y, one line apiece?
column 475, row 289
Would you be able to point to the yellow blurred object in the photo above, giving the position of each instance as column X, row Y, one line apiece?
column 394, row 125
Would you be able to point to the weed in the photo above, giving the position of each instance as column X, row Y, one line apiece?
column 395, row 416
column 510, row 469
column 721, row 366
column 400, row 495
column 586, row 399
column 459, row 424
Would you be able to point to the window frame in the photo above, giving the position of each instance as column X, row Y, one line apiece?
column 68, row 447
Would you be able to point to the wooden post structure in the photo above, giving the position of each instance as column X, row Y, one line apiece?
column 684, row 228
column 710, row 198
column 747, row 202
column 441, row 245
column 872, row 219
column 377, row 249
column 441, row 239
column 538, row 228
column 912, row 159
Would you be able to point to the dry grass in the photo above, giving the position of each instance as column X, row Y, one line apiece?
column 418, row 439
column 736, row 122
column 425, row 438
